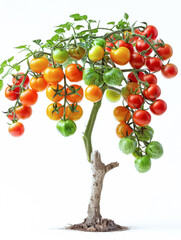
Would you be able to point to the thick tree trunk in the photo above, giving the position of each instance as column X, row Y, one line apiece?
column 99, row 169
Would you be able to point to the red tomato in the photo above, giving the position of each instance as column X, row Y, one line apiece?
column 132, row 77
column 152, row 92
column 150, row 78
column 141, row 118
column 16, row 129
column 28, row 97
column 23, row 112
column 74, row 72
column 165, row 52
column 10, row 115
column 11, row 94
column 158, row 107
column 169, row 70
column 150, row 31
column 154, row 64
column 19, row 77
column 135, row 101
column 121, row 43
column 137, row 60
column 109, row 46
column 143, row 46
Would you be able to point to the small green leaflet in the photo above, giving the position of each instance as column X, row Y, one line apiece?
column 21, row 47
column 4, row 64
column 79, row 26
column 111, row 23
column 66, row 25
column 11, row 59
column 1, row 70
column 1, row 84
column 78, row 17
column 126, row 16
column 55, row 37
column 60, row 30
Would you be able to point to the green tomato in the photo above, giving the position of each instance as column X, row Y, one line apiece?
column 113, row 96
column 76, row 52
column 137, row 153
column 143, row 164
column 91, row 77
column 100, row 41
column 113, row 77
column 127, row 145
column 67, row 127
column 60, row 56
column 154, row 150
column 144, row 133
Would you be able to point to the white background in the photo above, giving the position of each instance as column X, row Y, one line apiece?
column 45, row 179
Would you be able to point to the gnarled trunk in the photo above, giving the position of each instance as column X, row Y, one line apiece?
column 99, row 169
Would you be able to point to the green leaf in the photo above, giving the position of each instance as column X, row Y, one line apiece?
column 4, row 64
column 1, row 70
column 17, row 68
column 95, row 31
column 78, row 17
column 50, row 42
column 79, row 26
column 60, row 30
column 37, row 41
column 10, row 59
column 126, row 16
column 111, row 23
column 1, row 84
column 55, row 37
column 20, row 47
column 82, row 33
column 66, row 25
column 92, row 21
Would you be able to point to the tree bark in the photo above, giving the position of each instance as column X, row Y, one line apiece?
column 99, row 169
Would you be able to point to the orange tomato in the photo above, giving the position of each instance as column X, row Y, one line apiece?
column 122, row 114
column 53, row 75
column 55, row 111
column 123, row 130
column 29, row 97
column 51, row 91
column 93, row 93
column 121, row 55
column 38, row 84
column 38, row 65
column 73, row 72
column 73, row 94
column 73, row 112
column 130, row 88
column 23, row 112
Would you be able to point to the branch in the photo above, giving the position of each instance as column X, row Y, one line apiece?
column 110, row 166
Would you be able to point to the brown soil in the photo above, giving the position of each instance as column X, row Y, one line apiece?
column 106, row 225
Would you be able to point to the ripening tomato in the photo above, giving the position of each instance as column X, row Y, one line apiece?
column 143, row 46
column 75, row 93
column 169, row 70
column 130, row 88
column 38, row 84
column 152, row 92
column 55, row 111
column 165, row 52
column 137, row 60
column 60, row 56
column 73, row 112
column 109, row 46
column 29, row 97
column 23, row 112
column 141, row 118
column 74, row 72
column 11, row 94
column 53, row 75
column 11, row 116
column 135, row 101
column 120, row 56
column 150, row 78
column 152, row 31
column 96, row 53
column 122, row 114
column 154, row 64
column 122, row 43
column 19, row 77
column 38, row 65
column 123, row 130
column 93, row 93
column 76, row 52
column 55, row 92
column 131, row 39
column 132, row 77
column 16, row 129
column 158, row 107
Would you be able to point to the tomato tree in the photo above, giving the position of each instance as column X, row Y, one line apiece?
column 120, row 60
